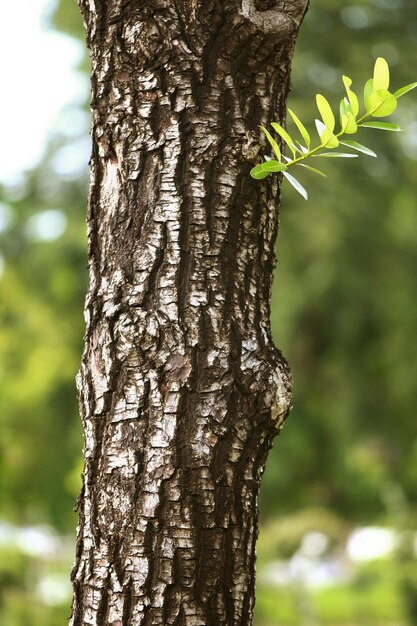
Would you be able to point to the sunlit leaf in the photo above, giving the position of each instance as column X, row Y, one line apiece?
column 382, row 126
column 273, row 166
column 358, row 146
column 273, row 143
column 369, row 87
column 285, row 136
column 352, row 97
column 406, row 89
column 297, row 185
column 328, row 139
column 258, row 172
column 343, row 109
column 312, row 169
column 341, row 155
column 381, row 103
column 325, row 112
column 381, row 75
column 303, row 131
column 354, row 103
column 349, row 125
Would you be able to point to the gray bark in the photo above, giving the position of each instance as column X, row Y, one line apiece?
column 181, row 387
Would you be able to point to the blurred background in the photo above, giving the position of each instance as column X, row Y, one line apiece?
column 338, row 537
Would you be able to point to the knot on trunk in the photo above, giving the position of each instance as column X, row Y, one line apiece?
column 145, row 44
column 276, row 17
column 268, row 378
column 279, row 394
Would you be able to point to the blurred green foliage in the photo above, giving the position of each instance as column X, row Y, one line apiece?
column 344, row 313
column 21, row 604
column 43, row 286
column 377, row 604
column 345, row 298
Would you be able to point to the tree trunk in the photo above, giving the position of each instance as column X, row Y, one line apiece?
column 181, row 388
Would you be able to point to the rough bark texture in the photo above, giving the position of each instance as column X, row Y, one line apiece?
column 181, row 387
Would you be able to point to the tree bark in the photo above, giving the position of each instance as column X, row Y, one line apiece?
column 181, row 387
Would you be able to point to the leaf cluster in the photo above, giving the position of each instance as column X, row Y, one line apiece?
column 378, row 101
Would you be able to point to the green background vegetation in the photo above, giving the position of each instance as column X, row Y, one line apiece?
column 344, row 313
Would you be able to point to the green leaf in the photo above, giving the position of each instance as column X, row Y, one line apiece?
column 258, row 172
column 297, row 185
column 273, row 166
column 381, row 103
column 353, row 98
column 341, row 155
column 381, row 75
column 285, row 136
column 382, row 126
column 328, row 139
column 312, row 169
column 303, row 131
column 369, row 87
column 349, row 125
column 354, row 102
column 273, row 143
column 344, row 107
column 406, row 89
column 358, row 146
column 325, row 112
